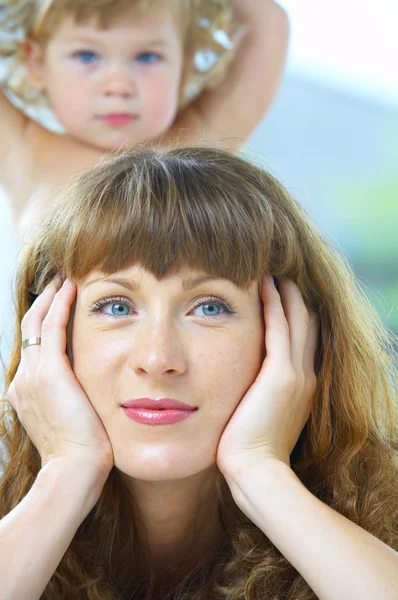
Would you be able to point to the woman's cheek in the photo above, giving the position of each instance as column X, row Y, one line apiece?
column 236, row 369
column 95, row 359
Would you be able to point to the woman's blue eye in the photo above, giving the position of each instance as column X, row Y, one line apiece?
column 148, row 57
column 86, row 56
column 210, row 310
column 116, row 309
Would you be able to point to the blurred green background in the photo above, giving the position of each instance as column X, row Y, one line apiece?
column 337, row 153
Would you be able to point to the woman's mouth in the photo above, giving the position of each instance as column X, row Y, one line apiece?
column 161, row 411
column 157, row 417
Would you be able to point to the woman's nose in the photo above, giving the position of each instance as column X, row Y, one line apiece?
column 158, row 351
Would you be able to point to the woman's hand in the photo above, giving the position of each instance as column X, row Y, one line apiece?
column 48, row 399
column 270, row 417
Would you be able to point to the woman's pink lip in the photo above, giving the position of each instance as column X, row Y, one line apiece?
column 157, row 404
column 156, row 417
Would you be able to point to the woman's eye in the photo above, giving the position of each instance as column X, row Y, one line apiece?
column 86, row 56
column 113, row 307
column 148, row 57
column 212, row 309
column 117, row 309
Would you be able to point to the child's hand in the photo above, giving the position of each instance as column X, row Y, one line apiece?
column 270, row 417
column 49, row 401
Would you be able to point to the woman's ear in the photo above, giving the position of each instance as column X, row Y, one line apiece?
column 34, row 60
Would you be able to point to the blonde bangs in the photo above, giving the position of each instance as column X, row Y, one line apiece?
column 104, row 12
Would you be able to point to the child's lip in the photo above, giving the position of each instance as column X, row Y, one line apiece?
column 120, row 114
column 119, row 118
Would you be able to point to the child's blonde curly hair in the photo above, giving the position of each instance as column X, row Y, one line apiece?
column 210, row 38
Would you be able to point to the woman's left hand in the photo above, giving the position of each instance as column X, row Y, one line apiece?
column 270, row 417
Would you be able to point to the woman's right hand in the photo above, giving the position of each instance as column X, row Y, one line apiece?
column 48, row 399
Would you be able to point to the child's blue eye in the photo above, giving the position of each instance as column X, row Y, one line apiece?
column 148, row 57
column 86, row 56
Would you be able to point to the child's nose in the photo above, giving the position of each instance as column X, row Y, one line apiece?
column 119, row 83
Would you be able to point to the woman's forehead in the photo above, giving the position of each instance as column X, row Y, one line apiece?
column 185, row 276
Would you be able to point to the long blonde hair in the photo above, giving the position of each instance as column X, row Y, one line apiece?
column 215, row 211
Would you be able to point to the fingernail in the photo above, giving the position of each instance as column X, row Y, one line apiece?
column 55, row 283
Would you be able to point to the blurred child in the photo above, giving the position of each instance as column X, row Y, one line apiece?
column 116, row 73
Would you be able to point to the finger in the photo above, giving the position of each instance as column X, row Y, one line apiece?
column 32, row 321
column 277, row 338
column 311, row 346
column 297, row 317
column 53, row 342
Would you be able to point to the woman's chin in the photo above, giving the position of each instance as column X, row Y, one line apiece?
column 161, row 464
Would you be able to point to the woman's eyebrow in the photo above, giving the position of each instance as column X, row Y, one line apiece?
column 189, row 283
column 127, row 283
column 132, row 286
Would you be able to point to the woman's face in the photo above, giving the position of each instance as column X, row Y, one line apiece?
column 188, row 337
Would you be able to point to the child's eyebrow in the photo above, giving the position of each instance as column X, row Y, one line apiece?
column 98, row 39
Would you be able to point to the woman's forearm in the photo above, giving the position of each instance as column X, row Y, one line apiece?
column 336, row 557
column 35, row 534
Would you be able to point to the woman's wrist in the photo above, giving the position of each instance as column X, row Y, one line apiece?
column 270, row 472
column 35, row 535
column 73, row 479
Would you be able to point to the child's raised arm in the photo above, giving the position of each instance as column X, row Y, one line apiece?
column 232, row 109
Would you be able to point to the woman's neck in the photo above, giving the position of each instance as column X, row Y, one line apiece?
column 180, row 519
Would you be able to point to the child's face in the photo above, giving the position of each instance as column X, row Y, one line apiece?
column 112, row 87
